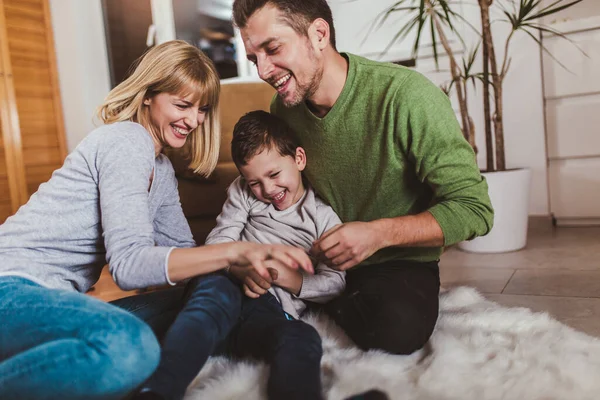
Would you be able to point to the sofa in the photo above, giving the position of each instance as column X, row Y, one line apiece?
column 202, row 198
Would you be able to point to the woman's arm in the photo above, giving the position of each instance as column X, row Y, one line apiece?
column 187, row 263
column 124, row 163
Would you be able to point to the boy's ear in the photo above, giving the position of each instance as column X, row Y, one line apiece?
column 300, row 158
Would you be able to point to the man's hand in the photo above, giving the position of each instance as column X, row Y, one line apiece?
column 344, row 246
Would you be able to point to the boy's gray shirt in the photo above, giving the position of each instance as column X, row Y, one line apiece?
column 246, row 218
column 99, row 208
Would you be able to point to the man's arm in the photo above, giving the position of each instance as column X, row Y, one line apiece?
column 349, row 244
column 444, row 161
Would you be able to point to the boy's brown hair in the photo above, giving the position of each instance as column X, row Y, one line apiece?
column 260, row 130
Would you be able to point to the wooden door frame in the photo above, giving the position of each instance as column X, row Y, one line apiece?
column 11, row 131
column 58, row 109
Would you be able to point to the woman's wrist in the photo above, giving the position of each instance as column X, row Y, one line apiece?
column 234, row 251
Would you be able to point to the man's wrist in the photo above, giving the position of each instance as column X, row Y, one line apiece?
column 383, row 231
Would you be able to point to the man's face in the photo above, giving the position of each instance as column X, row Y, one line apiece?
column 285, row 59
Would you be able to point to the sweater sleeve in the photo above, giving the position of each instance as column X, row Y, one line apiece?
column 444, row 160
column 170, row 226
column 124, row 162
column 233, row 217
column 326, row 283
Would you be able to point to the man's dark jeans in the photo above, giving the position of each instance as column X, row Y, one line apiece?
column 391, row 306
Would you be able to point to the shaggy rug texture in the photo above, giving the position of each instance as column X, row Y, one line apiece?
column 479, row 351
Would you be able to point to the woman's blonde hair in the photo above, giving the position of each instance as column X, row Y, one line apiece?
column 174, row 67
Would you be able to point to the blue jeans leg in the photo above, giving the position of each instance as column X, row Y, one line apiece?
column 158, row 309
column 292, row 348
column 211, row 310
column 56, row 344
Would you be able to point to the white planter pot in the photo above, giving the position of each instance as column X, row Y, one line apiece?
column 509, row 192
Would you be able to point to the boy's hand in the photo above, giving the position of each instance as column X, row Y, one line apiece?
column 256, row 256
column 253, row 284
column 346, row 245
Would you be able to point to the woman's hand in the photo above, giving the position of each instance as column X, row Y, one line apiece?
column 185, row 263
column 254, row 255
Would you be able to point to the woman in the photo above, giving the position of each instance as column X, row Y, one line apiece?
column 115, row 200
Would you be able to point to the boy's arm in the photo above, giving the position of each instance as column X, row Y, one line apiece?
column 230, row 225
column 232, row 219
column 326, row 283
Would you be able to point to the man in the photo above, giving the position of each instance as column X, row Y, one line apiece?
column 387, row 153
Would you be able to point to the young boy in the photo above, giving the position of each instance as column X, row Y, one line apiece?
column 270, row 203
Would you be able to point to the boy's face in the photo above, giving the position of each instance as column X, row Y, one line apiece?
column 276, row 179
column 286, row 60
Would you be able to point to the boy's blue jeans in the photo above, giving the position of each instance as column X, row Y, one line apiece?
column 291, row 347
column 212, row 308
column 64, row 345
column 262, row 331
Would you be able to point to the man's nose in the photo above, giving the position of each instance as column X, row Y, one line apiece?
column 265, row 68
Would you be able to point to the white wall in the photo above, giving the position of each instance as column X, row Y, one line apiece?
column 82, row 63
column 523, row 96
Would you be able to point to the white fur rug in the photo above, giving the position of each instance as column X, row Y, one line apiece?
column 479, row 351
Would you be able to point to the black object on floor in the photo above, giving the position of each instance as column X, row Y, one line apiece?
column 373, row 394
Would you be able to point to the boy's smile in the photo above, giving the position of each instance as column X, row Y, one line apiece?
column 276, row 179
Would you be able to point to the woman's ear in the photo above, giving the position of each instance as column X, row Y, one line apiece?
column 147, row 101
column 300, row 158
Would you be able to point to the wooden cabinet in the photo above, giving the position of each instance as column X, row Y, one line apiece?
column 32, row 142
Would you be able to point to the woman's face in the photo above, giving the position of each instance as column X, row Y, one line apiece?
column 173, row 117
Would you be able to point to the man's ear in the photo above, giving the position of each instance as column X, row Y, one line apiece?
column 319, row 33
column 300, row 158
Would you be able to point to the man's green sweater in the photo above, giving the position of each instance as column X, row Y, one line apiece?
column 391, row 146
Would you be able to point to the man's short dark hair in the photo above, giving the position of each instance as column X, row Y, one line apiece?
column 299, row 14
column 257, row 131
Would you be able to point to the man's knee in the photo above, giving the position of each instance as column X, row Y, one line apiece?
column 401, row 329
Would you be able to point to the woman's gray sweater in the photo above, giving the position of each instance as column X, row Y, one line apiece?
column 98, row 208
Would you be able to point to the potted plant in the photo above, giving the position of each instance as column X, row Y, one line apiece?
column 508, row 188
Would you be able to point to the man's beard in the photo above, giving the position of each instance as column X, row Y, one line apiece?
column 304, row 91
